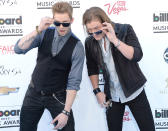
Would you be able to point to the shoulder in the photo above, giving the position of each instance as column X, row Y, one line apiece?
column 79, row 52
column 89, row 41
column 79, row 46
column 123, row 30
column 74, row 36
column 118, row 26
column 50, row 28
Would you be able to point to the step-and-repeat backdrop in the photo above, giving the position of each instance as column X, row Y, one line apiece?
column 150, row 22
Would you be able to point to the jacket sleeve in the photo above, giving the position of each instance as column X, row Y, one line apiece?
column 90, row 61
column 132, row 40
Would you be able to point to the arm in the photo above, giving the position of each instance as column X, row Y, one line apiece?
column 26, row 41
column 75, row 75
column 126, row 50
column 33, row 39
column 74, row 80
column 131, row 49
column 94, row 80
column 70, row 97
column 35, row 43
column 101, row 97
column 93, row 72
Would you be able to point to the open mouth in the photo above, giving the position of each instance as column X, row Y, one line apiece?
column 62, row 31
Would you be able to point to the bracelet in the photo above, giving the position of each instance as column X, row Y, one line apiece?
column 118, row 44
column 66, row 112
column 38, row 30
column 96, row 90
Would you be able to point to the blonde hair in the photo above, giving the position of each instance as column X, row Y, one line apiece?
column 62, row 7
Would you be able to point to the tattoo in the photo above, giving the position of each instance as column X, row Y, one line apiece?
column 29, row 40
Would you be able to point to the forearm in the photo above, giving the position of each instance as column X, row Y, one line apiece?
column 27, row 40
column 70, row 97
column 126, row 50
column 94, row 80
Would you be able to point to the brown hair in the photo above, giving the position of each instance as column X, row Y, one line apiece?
column 62, row 7
column 95, row 13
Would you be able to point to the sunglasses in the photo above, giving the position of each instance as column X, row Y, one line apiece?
column 96, row 33
column 63, row 24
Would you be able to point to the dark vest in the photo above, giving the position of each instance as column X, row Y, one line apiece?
column 51, row 72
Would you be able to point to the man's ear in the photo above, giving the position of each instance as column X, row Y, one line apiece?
column 72, row 20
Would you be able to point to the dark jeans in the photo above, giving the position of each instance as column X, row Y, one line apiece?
column 140, row 109
column 33, row 107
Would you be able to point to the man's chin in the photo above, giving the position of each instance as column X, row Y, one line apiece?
column 98, row 38
column 62, row 33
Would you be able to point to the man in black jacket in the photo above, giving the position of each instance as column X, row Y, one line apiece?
column 114, row 49
column 58, row 72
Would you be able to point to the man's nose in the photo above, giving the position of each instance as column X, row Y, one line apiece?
column 61, row 26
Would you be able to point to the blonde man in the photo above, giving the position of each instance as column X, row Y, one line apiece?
column 58, row 72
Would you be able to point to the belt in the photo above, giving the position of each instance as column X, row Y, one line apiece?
column 44, row 93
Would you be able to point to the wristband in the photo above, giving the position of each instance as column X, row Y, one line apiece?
column 38, row 30
column 96, row 90
column 66, row 112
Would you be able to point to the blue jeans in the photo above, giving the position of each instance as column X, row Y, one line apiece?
column 33, row 107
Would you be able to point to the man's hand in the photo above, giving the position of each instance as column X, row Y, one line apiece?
column 45, row 23
column 101, row 98
column 109, row 31
column 62, row 121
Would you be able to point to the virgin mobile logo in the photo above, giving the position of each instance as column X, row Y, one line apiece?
column 116, row 8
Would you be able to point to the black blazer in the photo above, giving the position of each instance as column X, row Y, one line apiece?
column 129, row 72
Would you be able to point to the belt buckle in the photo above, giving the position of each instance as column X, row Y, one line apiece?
column 42, row 93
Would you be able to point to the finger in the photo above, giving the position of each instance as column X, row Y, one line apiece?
column 50, row 20
column 54, row 120
column 106, row 104
column 47, row 19
column 62, row 125
column 101, row 101
column 105, row 31
column 105, row 23
column 58, row 126
column 108, row 26
column 47, row 24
